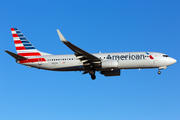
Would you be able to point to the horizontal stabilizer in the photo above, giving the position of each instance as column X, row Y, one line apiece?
column 16, row 56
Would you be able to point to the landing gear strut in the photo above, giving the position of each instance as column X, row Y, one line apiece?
column 92, row 73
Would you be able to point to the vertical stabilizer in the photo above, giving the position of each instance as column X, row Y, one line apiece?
column 23, row 46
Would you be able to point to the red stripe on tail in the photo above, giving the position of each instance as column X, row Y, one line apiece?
column 20, row 48
column 17, row 42
column 12, row 29
column 30, row 54
column 15, row 35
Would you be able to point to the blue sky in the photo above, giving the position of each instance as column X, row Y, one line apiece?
column 106, row 26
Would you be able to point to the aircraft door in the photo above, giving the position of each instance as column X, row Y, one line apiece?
column 39, row 61
column 155, row 63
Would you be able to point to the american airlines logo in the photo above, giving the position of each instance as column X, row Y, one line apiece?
column 129, row 57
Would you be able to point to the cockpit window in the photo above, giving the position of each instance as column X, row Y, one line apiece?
column 165, row 56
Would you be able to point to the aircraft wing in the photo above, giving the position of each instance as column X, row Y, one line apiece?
column 82, row 55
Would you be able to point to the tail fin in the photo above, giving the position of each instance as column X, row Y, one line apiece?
column 23, row 46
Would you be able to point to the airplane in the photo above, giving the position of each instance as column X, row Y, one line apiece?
column 108, row 64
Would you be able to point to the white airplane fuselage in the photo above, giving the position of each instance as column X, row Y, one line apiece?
column 126, row 60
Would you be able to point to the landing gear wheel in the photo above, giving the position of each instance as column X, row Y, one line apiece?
column 159, row 72
column 93, row 77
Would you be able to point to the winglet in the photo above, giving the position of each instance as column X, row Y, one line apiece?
column 61, row 36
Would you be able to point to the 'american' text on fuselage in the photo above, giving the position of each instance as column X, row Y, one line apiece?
column 127, row 57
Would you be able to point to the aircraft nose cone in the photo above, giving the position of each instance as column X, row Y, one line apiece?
column 173, row 60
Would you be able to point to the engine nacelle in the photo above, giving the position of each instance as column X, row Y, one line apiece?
column 111, row 73
column 109, row 64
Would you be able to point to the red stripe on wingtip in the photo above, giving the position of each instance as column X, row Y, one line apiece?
column 15, row 35
column 30, row 54
column 20, row 48
column 151, row 57
column 12, row 29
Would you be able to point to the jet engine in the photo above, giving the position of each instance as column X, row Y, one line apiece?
column 109, row 64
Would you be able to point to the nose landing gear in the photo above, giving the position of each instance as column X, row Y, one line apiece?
column 159, row 72
column 161, row 68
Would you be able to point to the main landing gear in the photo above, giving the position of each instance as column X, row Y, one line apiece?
column 93, row 77
column 92, row 73
column 159, row 72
